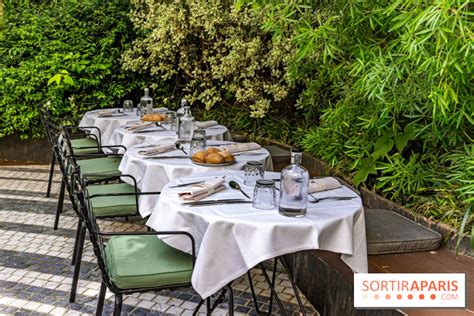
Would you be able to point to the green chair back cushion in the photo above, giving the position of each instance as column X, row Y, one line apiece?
column 145, row 262
column 84, row 142
column 104, row 206
column 103, row 166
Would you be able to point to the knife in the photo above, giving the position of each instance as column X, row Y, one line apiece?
column 167, row 157
column 150, row 131
column 216, row 202
column 185, row 184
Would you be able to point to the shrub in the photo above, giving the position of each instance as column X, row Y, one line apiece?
column 64, row 54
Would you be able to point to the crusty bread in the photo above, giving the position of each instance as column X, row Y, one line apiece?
column 153, row 117
column 213, row 156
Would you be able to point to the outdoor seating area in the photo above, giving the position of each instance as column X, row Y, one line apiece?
column 236, row 158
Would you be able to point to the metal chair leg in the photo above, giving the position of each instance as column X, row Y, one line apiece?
column 208, row 306
column 51, row 172
column 101, row 299
column 59, row 209
column 77, row 264
column 198, row 307
column 118, row 304
column 76, row 241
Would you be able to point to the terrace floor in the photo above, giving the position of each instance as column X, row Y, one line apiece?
column 35, row 269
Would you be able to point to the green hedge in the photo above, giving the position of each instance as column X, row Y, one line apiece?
column 65, row 55
column 381, row 90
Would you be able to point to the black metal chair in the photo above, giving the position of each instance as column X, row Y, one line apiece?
column 107, row 201
column 83, row 142
column 134, row 262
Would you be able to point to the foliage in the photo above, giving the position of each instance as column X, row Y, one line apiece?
column 211, row 52
column 63, row 54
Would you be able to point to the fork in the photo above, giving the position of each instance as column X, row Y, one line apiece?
column 337, row 198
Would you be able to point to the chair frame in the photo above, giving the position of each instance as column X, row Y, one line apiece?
column 96, row 237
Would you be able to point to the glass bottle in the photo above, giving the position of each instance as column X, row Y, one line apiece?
column 186, row 125
column 180, row 112
column 146, row 102
column 183, row 103
column 294, row 187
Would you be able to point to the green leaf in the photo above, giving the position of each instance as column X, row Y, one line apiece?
column 68, row 80
column 367, row 167
column 382, row 146
column 56, row 78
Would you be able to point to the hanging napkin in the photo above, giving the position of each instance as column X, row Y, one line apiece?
column 157, row 150
column 139, row 126
column 200, row 191
column 239, row 147
column 323, row 184
column 206, row 124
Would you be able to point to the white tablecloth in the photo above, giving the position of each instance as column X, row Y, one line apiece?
column 107, row 125
column 153, row 174
column 124, row 137
column 231, row 239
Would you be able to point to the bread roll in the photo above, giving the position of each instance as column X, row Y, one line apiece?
column 228, row 157
column 212, row 150
column 200, row 156
column 214, row 158
column 153, row 117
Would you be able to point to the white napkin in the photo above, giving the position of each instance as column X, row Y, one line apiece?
column 323, row 184
column 108, row 112
column 239, row 147
column 200, row 191
column 157, row 150
column 206, row 124
column 139, row 126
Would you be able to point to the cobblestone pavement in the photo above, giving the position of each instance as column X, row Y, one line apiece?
column 35, row 269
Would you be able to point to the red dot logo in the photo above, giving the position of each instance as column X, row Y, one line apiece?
column 422, row 296
column 433, row 296
column 410, row 296
column 376, row 296
column 387, row 296
column 399, row 296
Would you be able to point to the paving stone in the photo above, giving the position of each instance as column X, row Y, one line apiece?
column 35, row 260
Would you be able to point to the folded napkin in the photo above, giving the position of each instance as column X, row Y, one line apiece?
column 157, row 150
column 322, row 184
column 202, row 190
column 239, row 147
column 206, row 124
column 108, row 112
column 139, row 126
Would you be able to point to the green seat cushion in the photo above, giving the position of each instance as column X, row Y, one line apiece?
column 112, row 205
column 103, row 167
column 145, row 261
column 84, row 142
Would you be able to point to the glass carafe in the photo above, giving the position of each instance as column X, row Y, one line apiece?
column 294, row 187
column 146, row 103
column 186, row 125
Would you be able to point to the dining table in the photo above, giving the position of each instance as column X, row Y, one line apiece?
column 153, row 173
column 161, row 134
column 233, row 238
column 107, row 121
column 112, row 125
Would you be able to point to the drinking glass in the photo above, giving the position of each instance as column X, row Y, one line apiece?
column 253, row 171
column 264, row 195
column 128, row 106
column 172, row 121
column 198, row 141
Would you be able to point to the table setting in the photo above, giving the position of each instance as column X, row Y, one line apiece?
column 155, row 166
column 237, row 228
